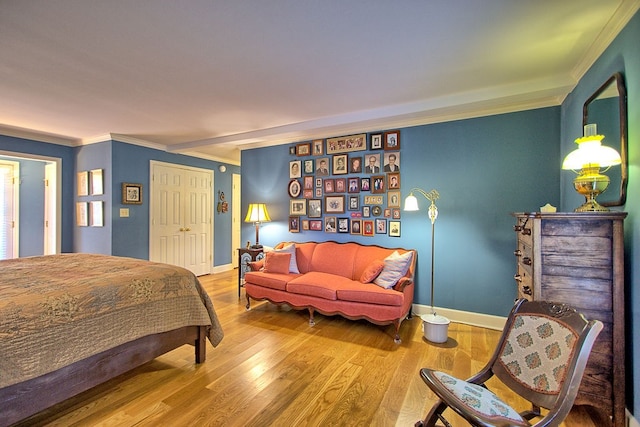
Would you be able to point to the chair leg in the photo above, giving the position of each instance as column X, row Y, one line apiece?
column 434, row 415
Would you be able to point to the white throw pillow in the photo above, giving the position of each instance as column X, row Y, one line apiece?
column 395, row 266
column 293, row 264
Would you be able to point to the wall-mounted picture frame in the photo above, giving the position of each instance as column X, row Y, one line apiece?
column 307, row 194
column 391, row 161
column 308, row 182
column 366, row 211
column 303, row 149
column 368, row 228
column 294, row 188
column 393, row 181
column 97, row 187
column 343, row 225
column 83, row 183
column 356, row 226
column 82, row 214
column 393, row 199
column 378, row 184
column 131, row 194
column 392, row 140
column 305, row 224
column 314, row 207
column 329, row 185
column 376, row 210
column 96, row 214
column 341, row 185
column 340, row 164
column 295, row 169
column 318, row 147
column 381, row 226
column 345, row 144
column 297, row 207
column 394, row 228
column 395, row 213
column 376, row 141
column 322, row 167
column 373, row 200
column 309, row 167
column 355, row 164
column 318, row 192
column 315, row 224
column 294, row 224
column 330, row 224
column 354, row 203
column 365, row 184
column 372, row 163
column 334, row 204
column 354, row 185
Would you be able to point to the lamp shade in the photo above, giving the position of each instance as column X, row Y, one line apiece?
column 411, row 203
column 590, row 152
column 257, row 212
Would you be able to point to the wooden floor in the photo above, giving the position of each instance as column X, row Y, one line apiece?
column 273, row 369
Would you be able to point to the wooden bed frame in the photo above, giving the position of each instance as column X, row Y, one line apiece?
column 22, row 400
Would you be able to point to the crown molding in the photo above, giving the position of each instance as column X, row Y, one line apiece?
column 35, row 135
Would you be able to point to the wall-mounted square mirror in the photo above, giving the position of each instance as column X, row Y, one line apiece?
column 607, row 108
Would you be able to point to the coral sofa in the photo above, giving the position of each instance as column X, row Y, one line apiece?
column 353, row 280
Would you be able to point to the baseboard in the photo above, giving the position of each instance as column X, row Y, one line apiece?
column 221, row 268
column 631, row 421
column 488, row 321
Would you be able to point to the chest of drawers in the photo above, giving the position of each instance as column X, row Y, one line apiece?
column 578, row 259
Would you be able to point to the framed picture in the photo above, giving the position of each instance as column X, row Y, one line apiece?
column 387, row 213
column 393, row 181
column 354, row 203
column 96, row 214
column 394, row 228
column 330, row 224
column 308, row 182
column 376, row 141
column 354, row 185
column 96, row 182
column 343, row 225
column 315, row 208
column 334, row 204
column 322, row 167
column 365, row 184
column 329, row 186
column 131, row 194
column 367, row 227
column 303, row 149
column 393, row 199
column 292, row 150
column 83, row 183
column 341, row 185
column 82, row 214
column 392, row 140
column 339, row 164
column 315, row 224
column 318, row 147
column 373, row 200
column 318, row 182
column 378, row 185
column 305, row 224
column 392, row 162
column 366, row 211
column 318, row 192
column 376, row 210
column 307, row 194
column 355, row 164
column 356, row 226
column 395, row 213
column 297, row 207
column 308, row 166
column 381, row 226
column 295, row 169
column 372, row 163
column 294, row 224
column 294, row 188
column 344, row 144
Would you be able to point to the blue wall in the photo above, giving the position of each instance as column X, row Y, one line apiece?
column 621, row 56
column 484, row 169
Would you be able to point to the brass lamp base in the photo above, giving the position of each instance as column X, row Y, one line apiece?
column 591, row 206
column 591, row 183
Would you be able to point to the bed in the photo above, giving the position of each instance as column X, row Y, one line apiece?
column 69, row 322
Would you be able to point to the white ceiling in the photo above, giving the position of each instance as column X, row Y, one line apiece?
column 209, row 77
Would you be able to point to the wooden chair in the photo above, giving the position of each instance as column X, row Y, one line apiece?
column 541, row 356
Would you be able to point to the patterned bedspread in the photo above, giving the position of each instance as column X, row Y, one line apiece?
column 58, row 309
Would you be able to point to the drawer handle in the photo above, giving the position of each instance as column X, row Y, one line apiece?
column 526, row 260
column 526, row 231
column 526, row 290
column 517, row 252
column 517, row 277
column 517, row 228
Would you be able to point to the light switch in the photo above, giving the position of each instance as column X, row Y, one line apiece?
column 124, row 212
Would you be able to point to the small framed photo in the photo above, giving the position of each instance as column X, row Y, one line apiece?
column 340, row 164
column 82, row 214
column 334, row 204
column 355, row 164
column 343, row 225
column 330, row 224
column 308, row 182
column 356, row 226
column 394, row 228
column 381, row 226
column 318, row 182
column 322, row 167
column 292, row 150
column 354, row 203
column 294, row 224
column 318, row 192
column 295, row 169
column 305, row 224
column 378, row 186
column 297, row 207
column 354, row 185
column 392, row 140
column 303, row 149
column 83, row 183
column 392, row 162
column 387, row 213
column 329, row 186
column 131, row 194
column 96, row 213
column 393, row 180
column 376, row 211
column 307, row 194
column 318, row 147
column 96, row 182
column 366, row 211
column 294, row 188
column 341, row 185
column 367, row 228
column 315, row 208
column 395, row 213
column 365, row 184
column 308, row 166
column 315, row 224
column 393, row 199
column 376, row 141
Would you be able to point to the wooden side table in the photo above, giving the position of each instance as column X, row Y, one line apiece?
column 245, row 256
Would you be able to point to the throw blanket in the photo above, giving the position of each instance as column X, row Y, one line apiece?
column 58, row 309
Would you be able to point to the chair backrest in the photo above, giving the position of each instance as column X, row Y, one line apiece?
column 543, row 352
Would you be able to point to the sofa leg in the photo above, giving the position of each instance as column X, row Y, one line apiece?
column 312, row 322
column 248, row 306
column 397, row 339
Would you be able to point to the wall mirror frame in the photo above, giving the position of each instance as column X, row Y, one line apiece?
column 607, row 108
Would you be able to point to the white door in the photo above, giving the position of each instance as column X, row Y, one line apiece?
column 236, row 218
column 9, row 191
column 181, row 224
column 50, row 221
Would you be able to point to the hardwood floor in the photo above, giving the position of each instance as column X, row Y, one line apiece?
column 273, row 369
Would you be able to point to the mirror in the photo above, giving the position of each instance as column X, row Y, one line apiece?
column 607, row 108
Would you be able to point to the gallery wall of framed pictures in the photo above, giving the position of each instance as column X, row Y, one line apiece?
column 349, row 184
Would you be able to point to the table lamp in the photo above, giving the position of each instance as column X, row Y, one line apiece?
column 257, row 213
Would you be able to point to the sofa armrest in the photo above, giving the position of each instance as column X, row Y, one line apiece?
column 402, row 283
column 256, row 265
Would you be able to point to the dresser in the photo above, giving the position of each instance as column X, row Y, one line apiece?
column 245, row 256
column 578, row 259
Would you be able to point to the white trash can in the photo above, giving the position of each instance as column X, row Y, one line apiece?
column 436, row 328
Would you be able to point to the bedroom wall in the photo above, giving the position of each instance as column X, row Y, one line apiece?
column 484, row 168
column 621, row 56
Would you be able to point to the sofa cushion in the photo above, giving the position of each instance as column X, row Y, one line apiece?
column 318, row 284
column 335, row 258
column 370, row 294
column 395, row 266
column 372, row 271
column 290, row 249
column 269, row 280
column 275, row 262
